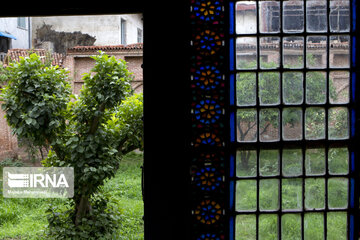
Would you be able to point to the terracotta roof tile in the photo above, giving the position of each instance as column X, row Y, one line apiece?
column 16, row 53
column 106, row 48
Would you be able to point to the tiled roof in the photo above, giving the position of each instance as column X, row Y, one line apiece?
column 16, row 53
column 134, row 46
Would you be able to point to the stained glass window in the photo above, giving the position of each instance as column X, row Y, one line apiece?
column 292, row 119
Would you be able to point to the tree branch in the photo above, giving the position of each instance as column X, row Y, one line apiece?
column 95, row 122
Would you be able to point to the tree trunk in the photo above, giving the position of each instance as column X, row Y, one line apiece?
column 83, row 207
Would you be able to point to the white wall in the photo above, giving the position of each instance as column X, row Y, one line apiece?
column 105, row 28
column 9, row 25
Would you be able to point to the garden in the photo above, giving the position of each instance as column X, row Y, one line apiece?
column 95, row 133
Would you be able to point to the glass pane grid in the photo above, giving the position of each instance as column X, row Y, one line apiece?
column 292, row 119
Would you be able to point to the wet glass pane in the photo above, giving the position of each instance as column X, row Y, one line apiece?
column 245, row 227
column 293, row 16
column 338, row 192
column 269, row 125
column 339, row 15
column 269, row 162
column 314, row 226
column 315, row 87
column 293, row 52
column 338, row 160
column 292, row 162
column 291, row 227
column 292, row 194
column 246, row 195
column 269, row 52
column 269, row 194
column 246, row 125
column 292, row 124
column 316, row 52
column 340, row 51
column 314, row 193
column 293, row 87
column 268, row 227
column 337, row 226
column 271, row 23
column 269, row 88
column 246, row 17
column 314, row 123
column 338, row 123
column 246, row 89
column 315, row 161
column 316, row 16
column 339, row 86
column 246, row 53
column 246, row 163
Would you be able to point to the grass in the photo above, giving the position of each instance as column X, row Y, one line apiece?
column 26, row 219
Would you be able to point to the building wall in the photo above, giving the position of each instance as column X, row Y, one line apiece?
column 10, row 25
column 78, row 63
column 105, row 28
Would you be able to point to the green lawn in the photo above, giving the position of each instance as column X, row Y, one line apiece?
column 25, row 218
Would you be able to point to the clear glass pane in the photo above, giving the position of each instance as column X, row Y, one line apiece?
column 316, row 52
column 338, row 192
column 316, row 87
column 314, row 123
column 247, row 125
column 269, row 194
column 246, row 17
column 338, row 160
column 292, row 162
column 292, row 124
column 292, row 194
column 339, row 15
column 293, row 87
column 314, row 226
column 293, row 52
column 270, row 23
column 339, row 51
column 337, row 226
column 246, row 163
column 245, row 195
column 339, row 87
column 315, row 161
column 245, row 227
column 246, row 53
column 314, row 193
column 269, row 162
column 246, row 89
column 269, row 125
column 269, row 88
column 291, row 227
column 338, row 123
column 268, row 226
column 316, row 16
column 269, row 52
column 293, row 16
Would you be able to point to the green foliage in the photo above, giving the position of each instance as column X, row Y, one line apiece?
column 91, row 132
column 27, row 218
column 35, row 99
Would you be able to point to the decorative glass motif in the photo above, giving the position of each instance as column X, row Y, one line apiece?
column 208, row 42
column 210, row 236
column 208, row 178
column 208, row 117
column 207, row 77
column 207, row 111
column 207, row 11
column 208, row 212
column 209, row 139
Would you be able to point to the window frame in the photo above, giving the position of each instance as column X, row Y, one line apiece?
column 353, row 189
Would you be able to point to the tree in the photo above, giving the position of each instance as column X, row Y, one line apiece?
column 90, row 132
